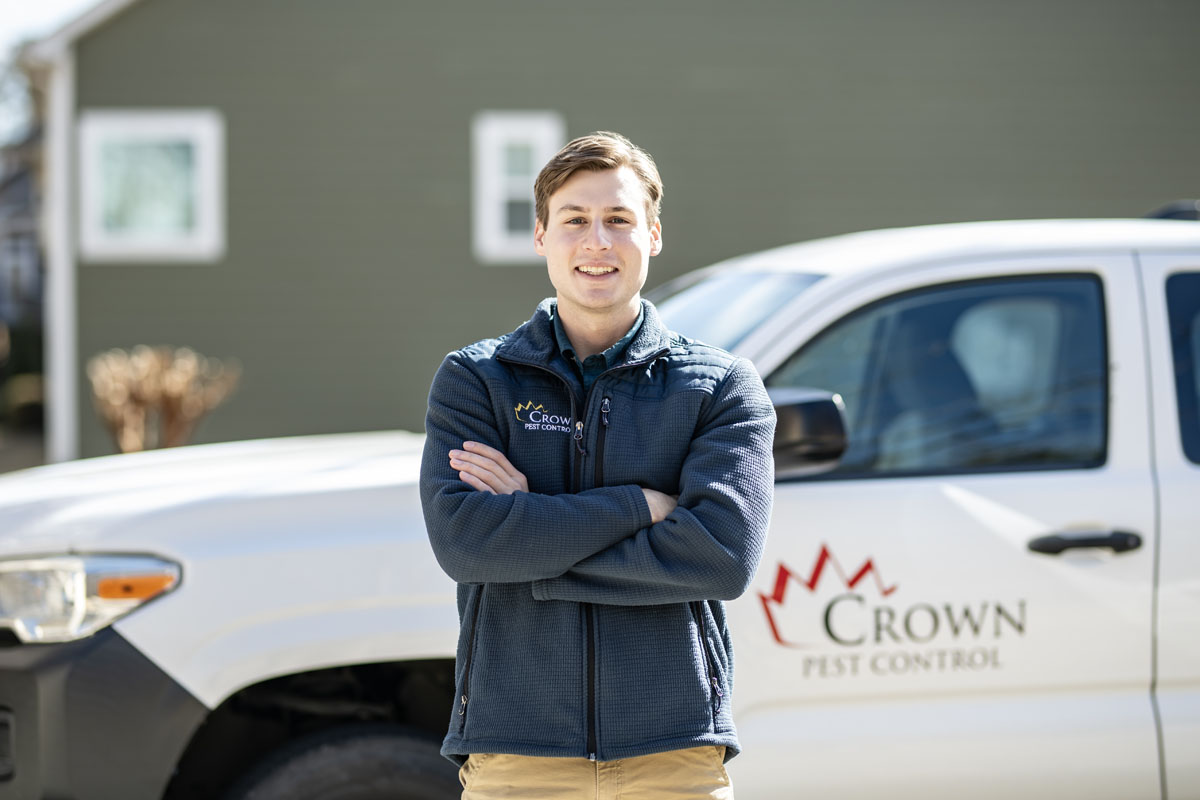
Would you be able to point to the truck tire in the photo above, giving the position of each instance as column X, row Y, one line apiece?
column 358, row 762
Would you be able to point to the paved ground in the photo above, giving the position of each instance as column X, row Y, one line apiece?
column 20, row 449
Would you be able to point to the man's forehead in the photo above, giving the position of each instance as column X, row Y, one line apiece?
column 608, row 190
column 573, row 207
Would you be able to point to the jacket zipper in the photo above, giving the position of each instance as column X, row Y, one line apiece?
column 589, row 613
column 466, row 687
column 588, row 609
column 710, row 667
column 580, row 453
column 576, row 438
column 577, row 483
column 590, row 627
column 604, row 409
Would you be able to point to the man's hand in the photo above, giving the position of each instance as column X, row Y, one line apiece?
column 660, row 504
column 487, row 469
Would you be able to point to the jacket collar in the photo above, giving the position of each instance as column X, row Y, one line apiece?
column 534, row 342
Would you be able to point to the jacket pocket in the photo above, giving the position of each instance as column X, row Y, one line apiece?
column 716, row 694
column 472, row 634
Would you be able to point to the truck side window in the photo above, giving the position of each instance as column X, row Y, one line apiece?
column 1183, row 312
column 989, row 375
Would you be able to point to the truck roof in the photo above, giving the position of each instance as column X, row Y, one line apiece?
column 867, row 250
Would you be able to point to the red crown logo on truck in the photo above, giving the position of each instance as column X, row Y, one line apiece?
column 825, row 558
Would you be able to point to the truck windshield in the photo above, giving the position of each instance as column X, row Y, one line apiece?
column 721, row 309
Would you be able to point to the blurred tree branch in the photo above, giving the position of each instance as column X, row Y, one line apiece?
column 155, row 396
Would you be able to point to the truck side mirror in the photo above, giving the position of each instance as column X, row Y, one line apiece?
column 810, row 431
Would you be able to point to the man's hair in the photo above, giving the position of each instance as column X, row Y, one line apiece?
column 597, row 152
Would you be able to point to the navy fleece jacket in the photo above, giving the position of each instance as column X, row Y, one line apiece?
column 585, row 629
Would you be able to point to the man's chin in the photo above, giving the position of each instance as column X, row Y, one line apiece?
column 600, row 305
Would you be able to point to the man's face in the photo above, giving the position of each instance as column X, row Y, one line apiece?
column 597, row 242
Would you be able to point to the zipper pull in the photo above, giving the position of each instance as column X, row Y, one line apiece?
column 716, row 689
column 579, row 438
column 604, row 411
column 462, row 707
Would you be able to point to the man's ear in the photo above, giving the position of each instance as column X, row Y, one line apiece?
column 539, row 238
column 656, row 238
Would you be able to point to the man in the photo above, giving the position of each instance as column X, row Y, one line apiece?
column 597, row 485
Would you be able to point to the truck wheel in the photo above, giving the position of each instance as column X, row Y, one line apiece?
column 353, row 763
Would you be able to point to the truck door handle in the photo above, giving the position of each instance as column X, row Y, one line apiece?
column 1055, row 543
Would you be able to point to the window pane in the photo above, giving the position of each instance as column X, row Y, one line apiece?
column 722, row 309
column 1009, row 348
column 518, row 216
column 972, row 376
column 838, row 363
column 1183, row 310
column 518, row 159
column 508, row 148
column 148, row 187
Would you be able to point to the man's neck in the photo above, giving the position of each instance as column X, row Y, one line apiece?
column 596, row 332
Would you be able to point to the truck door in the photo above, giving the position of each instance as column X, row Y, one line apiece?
column 904, row 636
column 1171, row 285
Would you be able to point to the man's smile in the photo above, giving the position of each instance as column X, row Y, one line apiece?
column 596, row 269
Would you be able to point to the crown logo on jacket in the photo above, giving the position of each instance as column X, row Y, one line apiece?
column 528, row 406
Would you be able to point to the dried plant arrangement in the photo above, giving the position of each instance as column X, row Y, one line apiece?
column 155, row 396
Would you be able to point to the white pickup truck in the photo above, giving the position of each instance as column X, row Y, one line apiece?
column 995, row 592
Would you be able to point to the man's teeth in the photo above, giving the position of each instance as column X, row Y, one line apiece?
column 597, row 270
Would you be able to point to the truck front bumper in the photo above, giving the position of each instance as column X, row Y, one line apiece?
column 89, row 719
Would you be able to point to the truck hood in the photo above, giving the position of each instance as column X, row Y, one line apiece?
column 84, row 505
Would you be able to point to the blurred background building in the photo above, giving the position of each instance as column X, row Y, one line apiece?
column 337, row 194
column 21, row 278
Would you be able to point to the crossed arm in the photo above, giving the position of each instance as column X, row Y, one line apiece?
column 622, row 545
column 486, row 469
column 484, row 537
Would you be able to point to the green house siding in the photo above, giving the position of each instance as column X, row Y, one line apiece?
column 348, row 271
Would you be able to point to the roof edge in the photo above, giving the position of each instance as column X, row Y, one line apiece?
column 53, row 47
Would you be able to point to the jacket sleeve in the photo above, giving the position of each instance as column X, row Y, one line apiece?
column 708, row 548
column 479, row 537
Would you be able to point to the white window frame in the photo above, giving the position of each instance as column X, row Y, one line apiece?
column 491, row 133
column 205, row 130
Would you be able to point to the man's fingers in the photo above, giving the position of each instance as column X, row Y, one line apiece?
column 474, row 482
column 661, row 505
column 495, row 462
column 489, row 472
column 486, row 469
column 492, row 453
column 497, row 483
column 485, row 450
column 489, row 469
column 489, row 475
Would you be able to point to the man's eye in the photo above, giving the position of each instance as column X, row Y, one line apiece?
column 619, row 221
column 576, row 221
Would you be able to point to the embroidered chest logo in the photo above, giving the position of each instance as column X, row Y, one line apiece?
column 535, row 417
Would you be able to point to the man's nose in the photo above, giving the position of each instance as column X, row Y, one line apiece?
column 597, row 238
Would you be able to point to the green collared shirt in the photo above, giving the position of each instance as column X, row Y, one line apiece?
column 593, row 366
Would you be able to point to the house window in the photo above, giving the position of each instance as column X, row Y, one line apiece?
column 152, row 185
column 509, row 149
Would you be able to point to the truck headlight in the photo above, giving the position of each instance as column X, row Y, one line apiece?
column 63, row 598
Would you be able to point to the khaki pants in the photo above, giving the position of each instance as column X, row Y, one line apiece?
column 689, row 774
